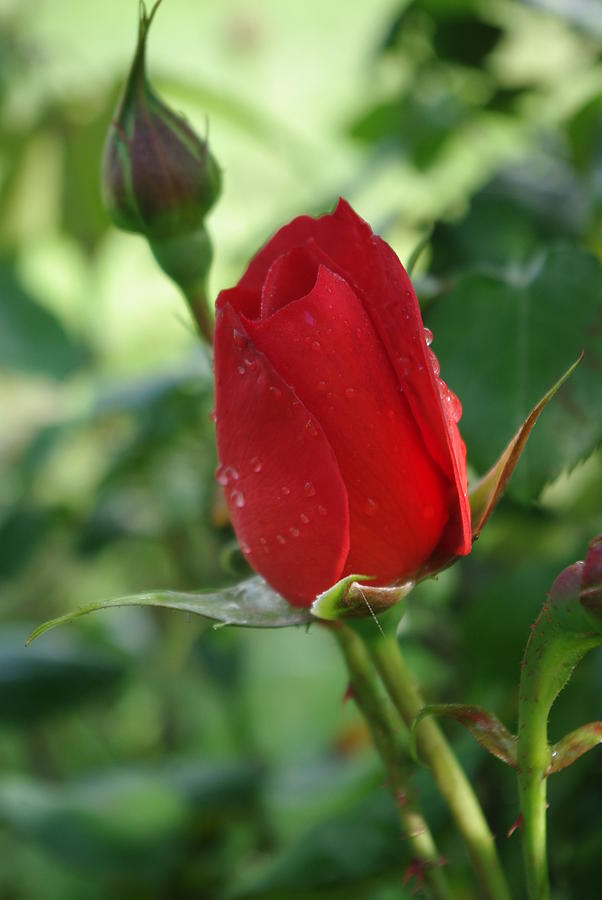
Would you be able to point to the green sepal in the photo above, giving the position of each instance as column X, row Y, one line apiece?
column 350, row 598
column 486, row 493
column 485, row 728
column 250, row 604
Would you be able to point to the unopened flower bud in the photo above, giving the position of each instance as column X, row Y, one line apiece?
column 159, row 178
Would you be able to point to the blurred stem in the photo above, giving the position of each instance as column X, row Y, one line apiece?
column 198, row 304
column 382, row 725
column 447, row 772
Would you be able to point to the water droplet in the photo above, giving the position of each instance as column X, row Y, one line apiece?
column 322, row 510
column 294, row 532
column 309, row 490
column 250, row 363
column 238, row 499
column 349, row 393
column 309, row 318
column 213, row 415
column 280, row 539
column 310, row 427
column 315, row 345
column 304, row 518
column 404, row 364
column 264, row 545
column 285, row 490
column 256, row 464
column 261, row 379
column 275, row 392
column 225, row 474
column 239, row 338
column 408, row 293
column 434, row 362
column 370, row 507
column 428, row 336
column 245, row 548
column 322, row 386
column 241, row 370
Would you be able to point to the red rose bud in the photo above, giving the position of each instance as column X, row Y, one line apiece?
column 338, row 442
column 159, row 178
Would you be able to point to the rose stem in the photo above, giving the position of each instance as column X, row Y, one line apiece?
column 533, row 759
column 382, row 725
column 438, row 755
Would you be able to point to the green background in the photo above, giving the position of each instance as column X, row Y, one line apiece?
column 142, row 754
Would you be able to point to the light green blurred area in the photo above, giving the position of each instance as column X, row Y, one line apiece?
column 107, row 450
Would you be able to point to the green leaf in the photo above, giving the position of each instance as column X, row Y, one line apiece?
column 252, row 604
column 485, row 728
column 573, row 745
column 31, row 337
column 486, row 493
column 502, row 340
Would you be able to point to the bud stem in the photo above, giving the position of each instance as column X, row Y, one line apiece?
column 186, row 259
column 382, row 725
column 447, row 772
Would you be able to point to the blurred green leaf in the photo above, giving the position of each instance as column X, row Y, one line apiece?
column 345, row 849
column 51, row 677
column 32, row 338
column 502, row 341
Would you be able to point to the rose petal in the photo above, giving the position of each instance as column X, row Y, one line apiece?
column 283, row 486
column 325, row 346
column 385, row 289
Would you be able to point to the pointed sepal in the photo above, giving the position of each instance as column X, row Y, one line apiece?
column 486, row 493
column 351, row 597
column 485, row 728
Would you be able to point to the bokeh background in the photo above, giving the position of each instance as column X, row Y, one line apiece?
column 144, row 755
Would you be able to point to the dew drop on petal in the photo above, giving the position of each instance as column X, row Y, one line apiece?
column 309, row 318
column 244, row 548
column 322, row 387
column 239, row 338
column 304, row 518
column 294, row 532
column 238, row 499
column 434, row 362
column 275, row 392
column 280, row 539
column 286, row 490
column 370, row 507
column 309, row 490
column 256, row 464
column 241, row 370
column 213, row 416
column 310, row 427
column 322, row 510
column 264, row 545
column 316, row 345
column 349, row 393
column 428, row 336
column 221, row 475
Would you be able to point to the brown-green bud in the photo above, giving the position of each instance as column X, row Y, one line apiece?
column 159, row 178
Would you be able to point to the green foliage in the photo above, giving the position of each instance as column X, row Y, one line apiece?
column 424, row 120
